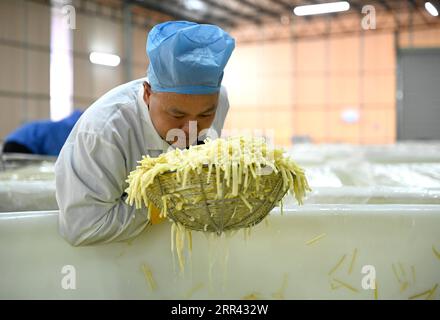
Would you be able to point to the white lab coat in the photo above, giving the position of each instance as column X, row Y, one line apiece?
column 100, row 152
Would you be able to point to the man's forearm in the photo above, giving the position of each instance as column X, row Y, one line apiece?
column 85, row 225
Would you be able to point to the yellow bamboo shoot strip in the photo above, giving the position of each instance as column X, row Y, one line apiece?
column 431, row 295
column 376, row 295
column 395, row 273
column 266, row 222
column 337, row 265
column 420, row 295
column 404, row 286
column 252, row 296
column 190, row 293
column 334, row 287
column 247, row 233
column 189, row 237
column 173, row 235
column 280, row 293
column 150, row 209
column 346, row 285
column 149, row 276
column 436, row 253
column 241, row 155
column 190, row 243
column 245, row 202
column 315, row 239
column 429, row 292
column 178, row 243
column 352, row 261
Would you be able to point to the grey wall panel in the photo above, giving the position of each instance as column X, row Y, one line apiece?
column 81, row 34
column 139, row 45
column 139, row 71
column 83, row 84
column 419, row 85
column 82, row 103
column 91, row 81
column 12, row 68
column 38, row 23
column 24, row 63
column 106, row 78
column 25, row 60
column 39, row 109
column 38, row 73
column 97, row 34
column 10, row 110
column 106, row 36
column 11, row 20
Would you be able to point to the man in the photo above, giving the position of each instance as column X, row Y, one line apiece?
column 44, row 137
column 182, row 88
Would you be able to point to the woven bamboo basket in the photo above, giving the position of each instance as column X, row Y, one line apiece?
column 210, row 212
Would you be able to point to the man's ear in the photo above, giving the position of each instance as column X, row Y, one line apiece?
column 147, row 92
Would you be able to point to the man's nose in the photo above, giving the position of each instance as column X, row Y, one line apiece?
column 190, row 124
column 190, row 128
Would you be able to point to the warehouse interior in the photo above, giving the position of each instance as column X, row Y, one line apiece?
column 324, row 78
column 353, row 95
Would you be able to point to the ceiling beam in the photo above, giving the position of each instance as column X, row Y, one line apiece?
column 419, row 10
column 207, row 15
column 386, row 5
column 260, row 9
column 231, row 11
column 181, row 13
column 286, row 6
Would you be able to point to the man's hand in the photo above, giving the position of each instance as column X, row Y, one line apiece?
column 155, row 216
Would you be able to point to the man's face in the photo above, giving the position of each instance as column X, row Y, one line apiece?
column 175, row 111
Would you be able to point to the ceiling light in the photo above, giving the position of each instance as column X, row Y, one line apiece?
column 321, row 8
column 431, row 9
column 105, row 59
